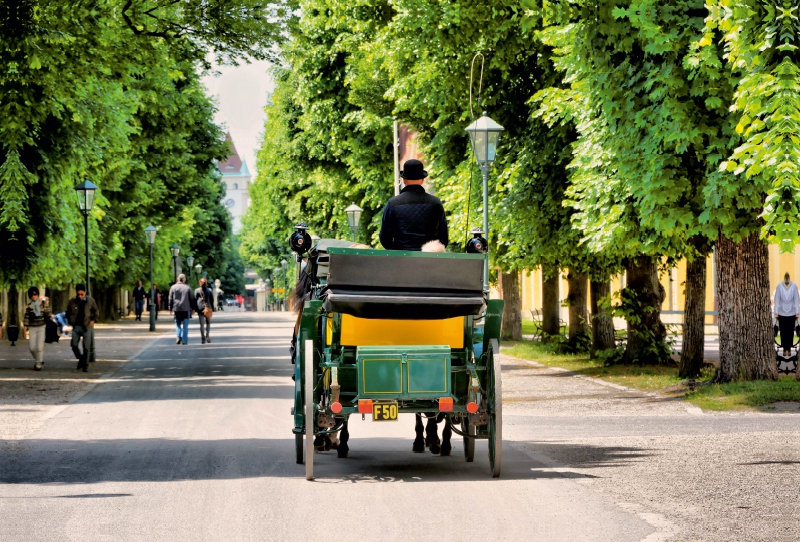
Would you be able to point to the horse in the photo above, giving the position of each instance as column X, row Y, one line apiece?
column 430, row 439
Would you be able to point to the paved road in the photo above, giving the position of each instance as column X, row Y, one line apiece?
column 194, row 443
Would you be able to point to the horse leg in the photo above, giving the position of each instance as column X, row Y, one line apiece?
column 432, row 436
column 343, row 449
column 419, row 442
column 446, row 433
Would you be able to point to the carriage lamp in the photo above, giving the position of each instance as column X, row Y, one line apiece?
column 353, row 218
column 446, row 404
column 484, row 134
column 300, row 240
column 365, row 406
column 478, row 244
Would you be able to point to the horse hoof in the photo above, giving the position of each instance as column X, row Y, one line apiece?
column 446, row 450
column 327, row 445
column 342, row 453
column 436, row 447
column 418, row 447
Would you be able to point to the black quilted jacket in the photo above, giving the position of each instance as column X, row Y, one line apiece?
column 412, row 219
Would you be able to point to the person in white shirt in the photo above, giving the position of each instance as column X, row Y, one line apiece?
column 787, row 307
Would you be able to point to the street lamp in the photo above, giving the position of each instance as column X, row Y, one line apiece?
column 199, row 269
column 268, row 283
column 190, row 261
column 175, row 251
column 150, row 235
column 86, row 191
column 484, row 134
column 353, row 218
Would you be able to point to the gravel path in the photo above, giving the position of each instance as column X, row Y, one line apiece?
column 700, row 475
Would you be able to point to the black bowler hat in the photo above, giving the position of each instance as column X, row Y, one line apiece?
column 412, row 171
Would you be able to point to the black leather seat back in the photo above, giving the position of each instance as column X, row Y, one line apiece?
column 435, row 272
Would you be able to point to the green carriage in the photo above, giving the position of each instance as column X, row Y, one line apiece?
column 390, row 332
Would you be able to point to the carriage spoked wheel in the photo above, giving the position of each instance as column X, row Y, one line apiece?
column 495, row 412
column 309, row 408
column 469, row 443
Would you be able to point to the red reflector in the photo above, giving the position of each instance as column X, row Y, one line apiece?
column 365, row 406
column 446, row 404
column 472, row 407
column 336, row 407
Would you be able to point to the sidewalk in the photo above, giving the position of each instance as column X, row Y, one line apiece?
column 26, row 396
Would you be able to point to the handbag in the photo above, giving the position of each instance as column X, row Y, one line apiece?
column 207, row 312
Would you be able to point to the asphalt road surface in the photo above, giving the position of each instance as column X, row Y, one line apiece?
column 194, row 443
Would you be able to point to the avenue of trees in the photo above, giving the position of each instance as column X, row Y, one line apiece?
column 109, row 91
column 638, row 132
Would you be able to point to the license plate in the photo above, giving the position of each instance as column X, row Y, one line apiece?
column 384, row 412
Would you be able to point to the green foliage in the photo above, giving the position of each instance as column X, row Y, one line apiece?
column 111, row 93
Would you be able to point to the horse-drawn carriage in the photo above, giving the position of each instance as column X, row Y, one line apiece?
column 391, row 332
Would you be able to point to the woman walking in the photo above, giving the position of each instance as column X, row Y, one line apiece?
column 37, row 314
column 204, row 301
column 787, row 307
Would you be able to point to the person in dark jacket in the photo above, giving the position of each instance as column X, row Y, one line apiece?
column 204, row 298
column 181, row 303
column 414, row 217
column 37, row 314
column 139, row 296
column 82, row 313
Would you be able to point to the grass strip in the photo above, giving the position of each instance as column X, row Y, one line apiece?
column 662, row 379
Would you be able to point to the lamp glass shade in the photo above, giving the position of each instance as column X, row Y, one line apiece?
column 86, row 191
column 353, row 216
column 484, row 134
column 199, row 268
column 150, row 234
column 175, row 250
column 190, row 261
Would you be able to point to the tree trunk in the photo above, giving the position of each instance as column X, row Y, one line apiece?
column 512, row 310
column 602, row 321
column 550, row 320
column 106, row 298
column 578, row 298
column 645, row 331
column 745, row 329
column 694, row 316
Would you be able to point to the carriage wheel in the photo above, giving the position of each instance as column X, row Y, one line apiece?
column 298, row 448
column 469, row 443
column 496, row 413
column 309, row 413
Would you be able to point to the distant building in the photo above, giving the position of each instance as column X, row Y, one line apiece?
column 237, row 180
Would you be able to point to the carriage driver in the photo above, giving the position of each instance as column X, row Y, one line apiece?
column 414, row 217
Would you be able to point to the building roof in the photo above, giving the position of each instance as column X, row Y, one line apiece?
column 233, row 164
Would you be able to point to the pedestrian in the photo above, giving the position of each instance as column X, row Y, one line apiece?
column 139, row 295
column 787, row 308
column 155, row 299
column 181, row 304
column 204, row 301
column 63, row 324
column 82, row 313
column 36, row 316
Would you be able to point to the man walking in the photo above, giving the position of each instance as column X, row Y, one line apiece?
column 414, row 217
column 139, row 295
column 82, row 313
column 180, row 302
column 204, row 303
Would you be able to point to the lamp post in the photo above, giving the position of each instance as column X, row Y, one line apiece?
column 150, row 235
column 175, row 251
column 86, row 192
column 268, row 283
column 199, row 269
column 190, row 261
column 484, row 134
column 353, row 218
